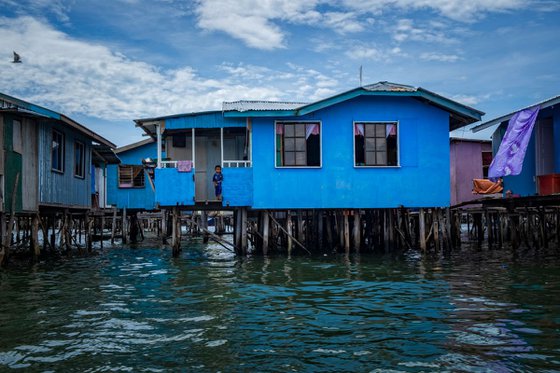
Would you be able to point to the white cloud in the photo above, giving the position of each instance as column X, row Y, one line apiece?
column 459, row 10
column 364, row 53
column 439, row 57
column 77, row 77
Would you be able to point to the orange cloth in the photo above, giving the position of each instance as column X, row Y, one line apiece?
column 485, row 186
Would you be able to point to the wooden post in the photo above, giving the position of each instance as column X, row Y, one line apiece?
column 35, row 248
column 113, row 225
column 164, row 226
column 346, row 233
column 422, row 227
column 204, row 225
column 175, row 235
column 290, row 233
column 124, row 226
column 89, row 229
column 102, row 228
column 320, row 230
column 356, row 231
column 244, row 230
column 435, row 225
column 328, row 218
column 300, row 236
column 265, row 231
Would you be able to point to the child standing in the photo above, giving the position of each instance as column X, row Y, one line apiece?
column 217, row 179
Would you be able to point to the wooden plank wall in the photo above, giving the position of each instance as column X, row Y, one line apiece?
column 63, row 188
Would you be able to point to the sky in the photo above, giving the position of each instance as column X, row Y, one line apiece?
column 106, row 63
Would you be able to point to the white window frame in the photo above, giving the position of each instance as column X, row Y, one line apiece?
column 396, row 122
column 320, row 142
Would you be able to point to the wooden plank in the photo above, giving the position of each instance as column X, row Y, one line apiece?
column 285, row 231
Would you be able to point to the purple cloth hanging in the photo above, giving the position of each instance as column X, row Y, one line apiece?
column 510, row 156
column 184, row 166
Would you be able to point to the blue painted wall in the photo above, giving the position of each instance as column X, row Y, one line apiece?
column 422, row 180
column 173, row 187
column 237, row 187
column 556, row 134
column 131, row 198
column 212, row 119
column 63, row 188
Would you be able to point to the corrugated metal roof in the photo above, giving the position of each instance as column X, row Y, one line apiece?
column 244, row 105
column 389, row 87
column 134, row 145
column 543, row 104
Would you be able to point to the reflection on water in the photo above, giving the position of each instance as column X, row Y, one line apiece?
column 141, row 310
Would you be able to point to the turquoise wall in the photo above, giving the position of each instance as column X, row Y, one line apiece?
column 422, row 180
column 131, row 198
column 237, row 187
column 174, row 187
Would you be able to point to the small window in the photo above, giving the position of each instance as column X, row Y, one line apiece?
column 131, row 176
column 79, row 159
column 57, row 151
column 375, row 144
column 486, row 160
column 17, row 137
column 298, row 144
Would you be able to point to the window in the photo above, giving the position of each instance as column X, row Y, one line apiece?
column 298, row 144
column 57, row 151
column 17, row 139
column 486, row 160
column 131, row 176
column 375, row 144
column 79, row 160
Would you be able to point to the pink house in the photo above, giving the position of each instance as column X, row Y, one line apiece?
column 469, row 160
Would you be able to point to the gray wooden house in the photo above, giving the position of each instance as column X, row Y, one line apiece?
column 48, row 161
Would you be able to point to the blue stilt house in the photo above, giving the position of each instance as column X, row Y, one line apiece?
column 130, row 184
column 541, row 167
column 383, row 145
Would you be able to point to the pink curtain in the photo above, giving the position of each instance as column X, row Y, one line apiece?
column 311, row 129
column 358, row 129
column 391, row 130
column 279, row 129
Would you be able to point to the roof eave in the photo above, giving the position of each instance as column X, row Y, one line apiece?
column 542, row 105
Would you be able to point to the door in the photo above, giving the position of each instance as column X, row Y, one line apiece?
column 544, row 147
column 201, row 168
column 207, row 156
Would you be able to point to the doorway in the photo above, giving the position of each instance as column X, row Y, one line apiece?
column 544, row 147
column 208, row 154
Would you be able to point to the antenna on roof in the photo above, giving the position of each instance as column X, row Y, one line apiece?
column 360, row 75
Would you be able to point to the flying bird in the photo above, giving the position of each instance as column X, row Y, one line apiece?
column 17, row 58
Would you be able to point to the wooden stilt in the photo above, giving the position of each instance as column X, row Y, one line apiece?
column 356, row 231
column 113, row 225
column 124, row 226
column 102, row 230
column 34, row 242
column 422, row 226
column 176, row 233
column 244, row 231
column 289, row 232
column 346, row 233
column 265, row 232
column 320, row 233
column 204, row 224
column 329, row 219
